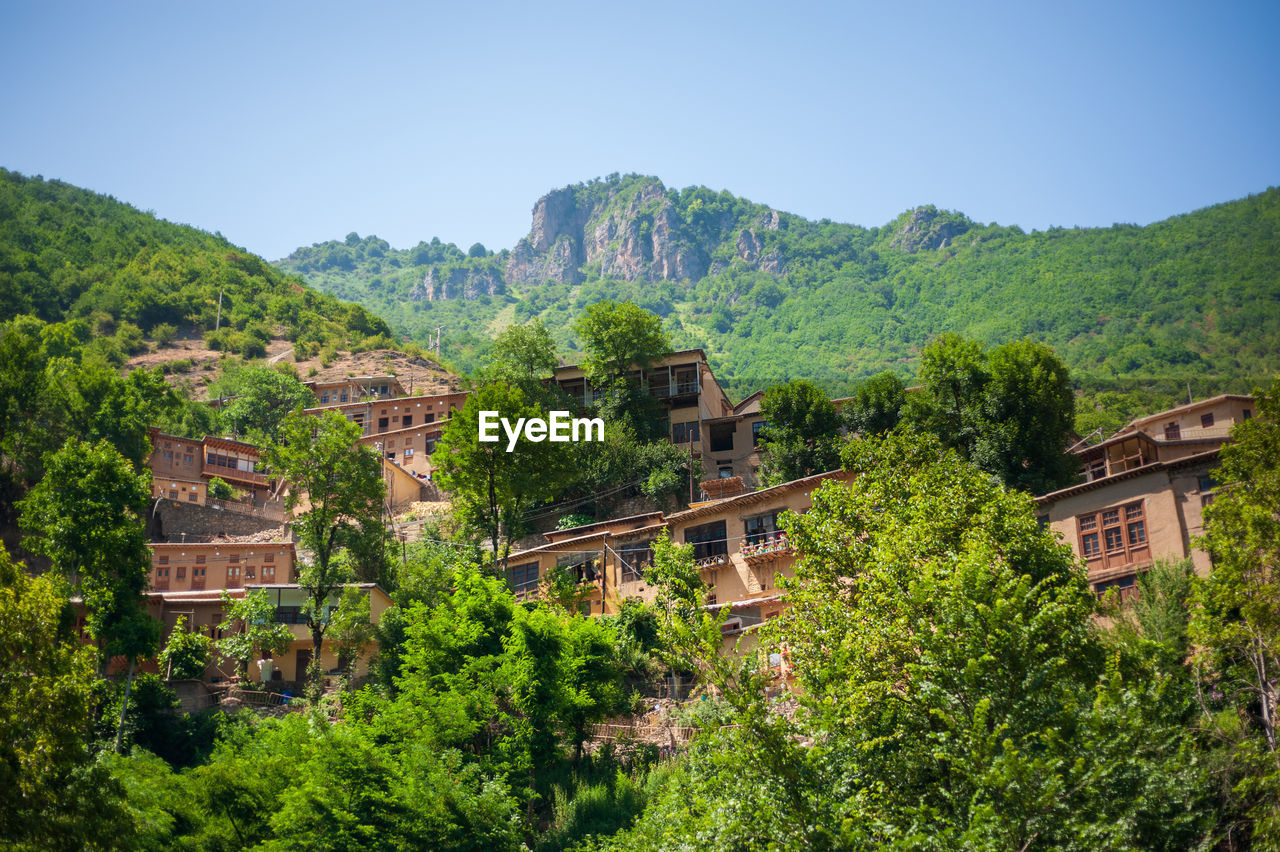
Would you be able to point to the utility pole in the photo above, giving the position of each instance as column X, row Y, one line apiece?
column 217, row 325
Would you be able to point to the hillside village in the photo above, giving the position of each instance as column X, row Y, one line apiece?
column 261, row 577
column 1138, row 498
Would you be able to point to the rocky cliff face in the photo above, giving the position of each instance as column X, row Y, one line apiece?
column 927, row 228
column 640, row 237
column 458, row 283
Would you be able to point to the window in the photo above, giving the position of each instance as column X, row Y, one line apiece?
column 200, row 559
column 194, row 496
column 290, row 615
column 635, row 558
column 408, row 453
column 686, row 381
column 1096, row 469
column 250, row 572
column 428, row 418
column 407, row 421
column 722, row 437
column 1246, row 414
column 343, row 397
column 1114, row 537
column 1172, row 431
column 707, row 540
column 173, row 494
column 756, row 429
column 523, row 578
column 268, row 573
column 684, row 433
column 270, row 557
column 584, row 567
column 391, row 454
column 324, row 398
column 382, row 424
column 1205, row 483
column 1126, row 587
column 235, row 559
column 233, row 576
column 724, row 472
column 182, row 572
column 1206, row 420
column 163, row 560
column 761, row 527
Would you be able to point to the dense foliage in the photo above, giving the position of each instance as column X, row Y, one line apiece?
column 68, row 253
column 1137, row 313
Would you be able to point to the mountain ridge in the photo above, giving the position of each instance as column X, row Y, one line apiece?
column 772, row 296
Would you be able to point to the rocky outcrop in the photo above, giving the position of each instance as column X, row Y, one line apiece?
column 927, row 228
column 640, row 239
column 458, row 282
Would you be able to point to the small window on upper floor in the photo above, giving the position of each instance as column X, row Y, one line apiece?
column 1206, row 420
column 1246, row 414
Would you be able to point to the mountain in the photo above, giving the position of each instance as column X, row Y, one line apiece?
column 68, row 253
column 771, row 296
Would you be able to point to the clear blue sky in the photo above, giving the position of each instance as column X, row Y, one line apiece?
column 285, row 123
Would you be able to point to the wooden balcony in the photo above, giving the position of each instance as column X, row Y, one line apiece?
column 766, row 550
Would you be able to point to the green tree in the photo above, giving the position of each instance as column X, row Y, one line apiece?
column 617, row 337
column 492, row 488
column 259, row 399
column 954, row 374
column 86, row 515
column 186, row 653
column 341, row 484
column 523, row 355
column 54, row 797
column 876, row 406
column 350, row 626
column 250, row 630
column 1026, row 416
column 802, row 435
column 220, row 490
column 1235, row 626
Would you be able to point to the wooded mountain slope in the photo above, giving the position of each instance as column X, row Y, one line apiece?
column 68, row 253
column 773, row 296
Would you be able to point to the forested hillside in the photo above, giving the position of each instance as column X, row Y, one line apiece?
column 1138, row 310
column 67, row 253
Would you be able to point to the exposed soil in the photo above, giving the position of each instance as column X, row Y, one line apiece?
column 204, row 365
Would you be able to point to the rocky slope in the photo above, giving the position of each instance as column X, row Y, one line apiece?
column 1193, row 299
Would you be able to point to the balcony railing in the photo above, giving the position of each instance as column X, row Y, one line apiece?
column 766, row 548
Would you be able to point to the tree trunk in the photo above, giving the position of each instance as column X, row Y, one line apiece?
column 124, row 707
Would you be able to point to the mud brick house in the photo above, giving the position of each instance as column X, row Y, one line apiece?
column 1142, row 492
column 699, row 414
column 181, row 469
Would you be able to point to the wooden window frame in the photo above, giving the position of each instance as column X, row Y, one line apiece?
column 1114, row 537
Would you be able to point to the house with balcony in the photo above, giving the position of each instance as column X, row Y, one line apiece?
column 204, row 610
column 376, row 416
column 1142, row 492
column 737, row 542
column 181, row 469
column 699, row 414
column 356, row 389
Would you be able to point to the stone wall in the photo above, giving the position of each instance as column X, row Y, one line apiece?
column 177, row 522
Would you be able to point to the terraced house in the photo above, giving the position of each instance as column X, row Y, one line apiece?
column 1142, row 491
column 699, row 414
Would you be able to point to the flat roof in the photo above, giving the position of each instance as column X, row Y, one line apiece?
column 712, row 506
column 579, row 530
column 1133, row 473
column 1160, row 415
